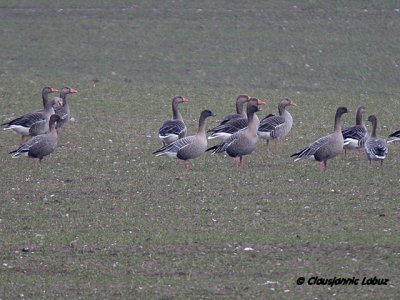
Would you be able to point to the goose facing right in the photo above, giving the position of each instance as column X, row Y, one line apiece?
column 22, row 124
column 240, row 101
column 375, row 147
column 225, row 130
column 41, row 145
column 189, row 147
column 326, row 147
column 174, row 129
column 277, row 127
column 42, row 126
column 242, row 142
column 64, row 111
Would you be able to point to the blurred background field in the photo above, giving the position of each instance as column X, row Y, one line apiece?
column 103, row 218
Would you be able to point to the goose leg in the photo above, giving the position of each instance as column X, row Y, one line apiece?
column 322, row 166
column 240, row 165
column 266, row 146
column 22, row 140
column 359, row 154
column 276, row 146
column 186, row 165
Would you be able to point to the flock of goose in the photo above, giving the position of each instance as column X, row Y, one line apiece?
column 241, row 131
column 41, row 126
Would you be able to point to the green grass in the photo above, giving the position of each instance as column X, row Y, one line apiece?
column 103, row 218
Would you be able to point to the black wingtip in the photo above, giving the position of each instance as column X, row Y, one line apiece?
column 212, row 148
column 395, row 134
column 156, row 152
column 268, row 116
column 297, row 154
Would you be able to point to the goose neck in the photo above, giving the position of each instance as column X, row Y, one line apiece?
column 239, row 107
column 175, row 112
column 359, row 120
column 374, row 128
column 338, row 122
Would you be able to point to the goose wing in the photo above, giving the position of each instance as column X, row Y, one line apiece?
column 173, row 148
column 312, row 148
column 270, row 123
column 172, row 127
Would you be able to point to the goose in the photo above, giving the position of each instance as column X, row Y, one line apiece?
column 42, row 126
column 240, row 101
column 395, row 136
column 375, row 147
column 355, row 136
column 189, row 147
column 41, row 145
column 22, row 124
column 64, row 111
column 277, row 127
column 225, row 130
column 174, row 129
column 242, row 142
column 326, row 147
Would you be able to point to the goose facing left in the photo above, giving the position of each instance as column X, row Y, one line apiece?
column 189, row 147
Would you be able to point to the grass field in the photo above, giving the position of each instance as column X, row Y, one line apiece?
column 102, row 218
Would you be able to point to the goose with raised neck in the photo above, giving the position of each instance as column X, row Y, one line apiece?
column 41, row 145
column 22, row 124
column 189, row 147
column 277, row 127
column 326, row 147
column 225, row 130
column 242, row 142
column 172, row 130
column 375, row 147
column 355, row 136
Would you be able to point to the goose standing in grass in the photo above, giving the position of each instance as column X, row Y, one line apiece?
column 240, row 101
column 355, row 136
column 64, row 111
column 174, row 129
column 394, row 137
column 225, row 130
column 326, row 147
column 22, row 124
column 189, row 147
column 242, row 142
column 42, row 126
column 277, row 127
column 41, row 145
column 375, row 147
